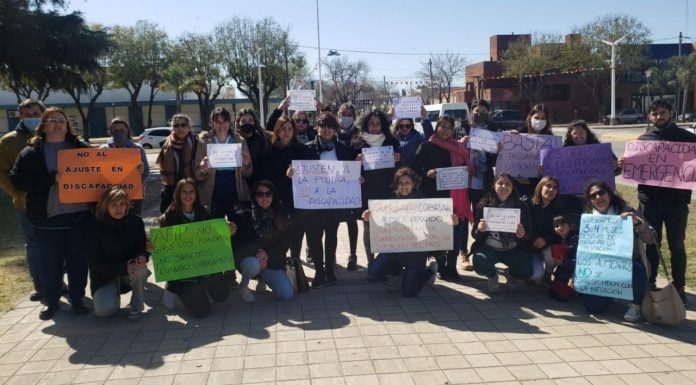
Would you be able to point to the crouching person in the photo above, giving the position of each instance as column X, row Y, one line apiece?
column 118, row 256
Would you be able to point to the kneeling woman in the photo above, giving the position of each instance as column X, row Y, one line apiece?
column 117, row 259
column 194, row 293
column 408, row 265
column 602, row 199
column 261, row 238
column 492, row 247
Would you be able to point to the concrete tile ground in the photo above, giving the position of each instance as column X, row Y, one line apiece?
column 353, row 333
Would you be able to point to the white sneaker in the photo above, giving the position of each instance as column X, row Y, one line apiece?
column 633, row 313
column 246, row 294
column 261, row 286
column 432, row 266
column 511, row 281
column 169, row 300
column 466, row 263
column 493, row 285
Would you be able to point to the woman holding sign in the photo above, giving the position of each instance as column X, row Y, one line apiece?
column 374, row 133
column 441, row 151
column 602, row 199
column 261, row 238
column 195, row 293
column 61, row 228
column 537, row 123
column 544, row 206
column 501, row 241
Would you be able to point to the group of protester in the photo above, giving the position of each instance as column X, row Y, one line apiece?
column 109, row 241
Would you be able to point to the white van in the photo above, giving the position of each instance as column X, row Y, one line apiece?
column 457, row 111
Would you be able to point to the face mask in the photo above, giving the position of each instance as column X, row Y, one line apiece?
column 538, row 124
column 480, row 117
column 346, row 121
column 120, row 138
column 247, row 128
column 31, row 123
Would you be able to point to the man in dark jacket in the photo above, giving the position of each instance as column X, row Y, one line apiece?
column 666, row 205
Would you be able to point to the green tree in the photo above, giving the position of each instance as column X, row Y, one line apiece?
column 244, row 42
column 685, row 72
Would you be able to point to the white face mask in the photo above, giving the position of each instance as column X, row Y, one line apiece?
column 538, row 124
column 346, row 121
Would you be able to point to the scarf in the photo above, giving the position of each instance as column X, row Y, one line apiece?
column 459, row 156
column 374, row 140
column 169, row 161
column 324, row 146
column 262, row 220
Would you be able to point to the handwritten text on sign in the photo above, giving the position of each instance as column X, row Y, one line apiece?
column 407, row 107
column 664, row 164
column 520, row 153
column 575, row 166
column 224, row 155
column 484, row 140
column 302, row 100
column 87, row 172
column 451, row 178
column 191, row 250
column 326, row 184
column 502, row 220
column 604, row 264
column 375, row 158
column 401, row 225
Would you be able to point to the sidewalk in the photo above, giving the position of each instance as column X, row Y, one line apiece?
column 353, row 333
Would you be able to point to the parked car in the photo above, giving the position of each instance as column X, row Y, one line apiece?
column 687, row 117
column 509, row 119
column 626, row 116
column 153, row 137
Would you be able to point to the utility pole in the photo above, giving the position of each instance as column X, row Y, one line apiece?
column 386, row 94
column 430, row 66
column 613, row 77
column 262, row 117
column 321, row 92
column 287, row 73
column 679, row 85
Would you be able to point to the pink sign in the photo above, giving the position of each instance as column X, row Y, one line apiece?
column 660, row 163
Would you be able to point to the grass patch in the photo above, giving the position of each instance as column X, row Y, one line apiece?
column 14, row 271
column 630, row 194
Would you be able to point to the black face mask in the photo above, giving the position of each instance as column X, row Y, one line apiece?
column 247, row 128
column 479, row 117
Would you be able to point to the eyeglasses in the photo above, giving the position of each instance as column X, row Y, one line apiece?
column 404, row 126
column 56, row 120
column 261, row 194
column 180, row 125
column 598, row 194
column 305, row 121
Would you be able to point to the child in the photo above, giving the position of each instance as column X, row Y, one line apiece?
column 562, row 257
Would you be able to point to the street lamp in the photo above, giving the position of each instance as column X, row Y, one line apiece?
column 262, row 118
column 648, row 72
column 613, row 76
column 321, row 94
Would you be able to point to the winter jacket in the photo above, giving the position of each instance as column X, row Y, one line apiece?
column 247, row 242
column 10, row 146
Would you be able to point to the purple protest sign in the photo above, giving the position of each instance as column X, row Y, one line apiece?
column 575, row 166
column 520, row 153
column 660, row 163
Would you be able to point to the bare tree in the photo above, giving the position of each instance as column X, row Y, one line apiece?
column 346, row 80
column 441, row 72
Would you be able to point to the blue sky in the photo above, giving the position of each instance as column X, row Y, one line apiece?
column 393, row 27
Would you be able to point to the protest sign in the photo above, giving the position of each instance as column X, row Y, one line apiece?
column 575, row 166
column 85, row 173
column 604, row 260
column 191, row 250
column 224, row 155
column 407, row 107
column 407, row 225
column 660, row 163
column 302, row 100
column 451, row 178
column 375, row 158
column 520, row 153
column 326, row 184
column 502, row 220
column 484, row 140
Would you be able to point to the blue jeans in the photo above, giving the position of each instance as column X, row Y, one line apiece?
column 63, row 241
column 595, row 304
column 107, row 299
column 518, row 260
column 276, row 279
column 31, row 248
column 415, row 275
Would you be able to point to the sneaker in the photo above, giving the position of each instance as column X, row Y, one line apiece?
column 261, row 286
column 48, row 311
column 246, row 295
column 493, row 285
column 633, row 313
column 682, row 294
column 466, row 264
column 511, row 282
column 432, row 266
column 318, row 282
column 394, row 281
column 352, row 262
column 169, row 300
column 36, row 296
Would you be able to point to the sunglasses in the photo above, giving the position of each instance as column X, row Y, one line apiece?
column 56, row 121
column 305, row 121
column 261, row 194
column 404, row 126
column 181, row 125
column 598, row 194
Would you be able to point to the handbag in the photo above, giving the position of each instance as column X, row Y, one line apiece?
column 663, row 306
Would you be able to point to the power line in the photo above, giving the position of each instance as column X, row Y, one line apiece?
column 395, row 53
